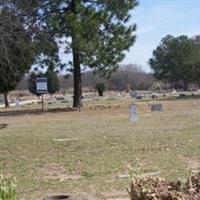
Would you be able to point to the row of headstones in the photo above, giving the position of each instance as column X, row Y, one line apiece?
column 133, row 115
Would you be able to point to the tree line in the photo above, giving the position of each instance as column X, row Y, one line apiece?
column 126, row 78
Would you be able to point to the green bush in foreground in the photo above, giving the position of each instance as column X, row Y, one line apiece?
column 7, row 188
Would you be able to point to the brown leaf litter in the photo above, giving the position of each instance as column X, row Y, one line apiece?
column 149, row 188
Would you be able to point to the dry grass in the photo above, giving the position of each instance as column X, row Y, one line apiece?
column 94, row 150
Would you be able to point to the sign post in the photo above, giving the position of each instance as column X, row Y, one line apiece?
column 41, row 87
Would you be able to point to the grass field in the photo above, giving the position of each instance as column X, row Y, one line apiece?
column 96, row 149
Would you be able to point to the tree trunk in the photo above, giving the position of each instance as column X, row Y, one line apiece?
column 185, row 85
column 6, row 99
column 77, row 101
column 175, row 85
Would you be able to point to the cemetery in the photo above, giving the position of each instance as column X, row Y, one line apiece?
column 99, row 100
column 95, row 152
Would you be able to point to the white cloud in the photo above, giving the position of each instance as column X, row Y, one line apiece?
column 145, row 29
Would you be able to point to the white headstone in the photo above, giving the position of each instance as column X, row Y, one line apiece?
column 17, row 103
column 133, row 115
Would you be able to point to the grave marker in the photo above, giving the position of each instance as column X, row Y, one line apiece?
column 133, row 115
column 156, row 107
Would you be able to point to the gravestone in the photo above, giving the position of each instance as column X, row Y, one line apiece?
column 138, row 97
column 1, row 100
column 182, row 95
column 60, row 98
column 17, row 103
column 133, row 94
column 156, row 107
column 133, row 115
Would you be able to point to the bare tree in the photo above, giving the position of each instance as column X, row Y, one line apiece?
column 131, row 76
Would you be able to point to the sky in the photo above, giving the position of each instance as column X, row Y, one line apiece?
column 157, row 18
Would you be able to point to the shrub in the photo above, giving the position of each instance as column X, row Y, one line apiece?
column 100, row 87
column 7, row 188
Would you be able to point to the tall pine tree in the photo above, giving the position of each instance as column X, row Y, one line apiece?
column 175, row 60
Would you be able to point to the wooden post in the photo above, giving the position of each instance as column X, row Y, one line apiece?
column 42, row 103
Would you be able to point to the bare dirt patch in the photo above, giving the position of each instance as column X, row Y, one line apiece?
column 192, row 163
column 56, row 172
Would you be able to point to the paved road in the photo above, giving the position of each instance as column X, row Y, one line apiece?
column 21, row 103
